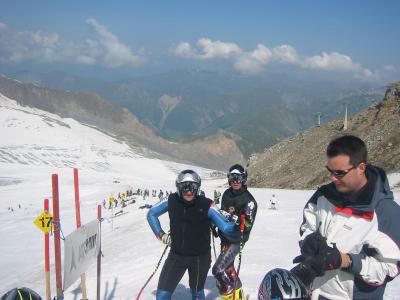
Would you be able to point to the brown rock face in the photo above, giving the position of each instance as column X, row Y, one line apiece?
column 298, row 162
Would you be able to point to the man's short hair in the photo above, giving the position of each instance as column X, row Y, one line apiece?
column 349, row 145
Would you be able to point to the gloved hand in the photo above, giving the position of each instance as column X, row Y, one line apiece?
column 313, row 245
column 309, row 268
column 333, row 258
column 230, row 217
column 165, row 238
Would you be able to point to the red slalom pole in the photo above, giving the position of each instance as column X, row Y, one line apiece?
column 78, row 224
column 47, row 256
column 57, row 247
column 99, row 255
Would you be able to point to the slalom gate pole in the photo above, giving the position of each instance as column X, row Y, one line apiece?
column 47, row 256
column 242, row 222
column 78, row 224
column 99, row 255
column 57, row 247
column 154, row 272
column 215, row 252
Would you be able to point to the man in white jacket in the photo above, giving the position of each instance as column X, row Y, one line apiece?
column 358, row 221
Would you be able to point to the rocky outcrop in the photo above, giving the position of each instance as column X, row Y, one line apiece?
column 217, row 151
column 298, row 162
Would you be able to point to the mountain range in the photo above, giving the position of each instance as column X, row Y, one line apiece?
column 256, row 111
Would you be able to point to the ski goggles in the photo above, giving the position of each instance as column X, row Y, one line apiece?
column 188, row 187
column 235, row 177
column 339, row 173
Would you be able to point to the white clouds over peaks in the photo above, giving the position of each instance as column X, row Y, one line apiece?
column 111, row 51
column 104, row 48
column 254, row 61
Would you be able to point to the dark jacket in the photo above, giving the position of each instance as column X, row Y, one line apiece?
column 238, row 203
column 189, row 225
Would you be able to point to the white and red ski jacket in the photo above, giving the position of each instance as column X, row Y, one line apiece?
column 366, row 225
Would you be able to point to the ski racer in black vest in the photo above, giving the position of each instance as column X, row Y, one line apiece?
column 239, row 205
column 191, row 217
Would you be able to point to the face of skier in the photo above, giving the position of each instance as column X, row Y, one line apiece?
column 236, row 185
column 346, row 177
column 188, row 196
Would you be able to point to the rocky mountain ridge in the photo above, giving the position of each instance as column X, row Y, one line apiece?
column 215, row 151
column 299, row 161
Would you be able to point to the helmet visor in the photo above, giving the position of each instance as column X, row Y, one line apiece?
column 188, row 187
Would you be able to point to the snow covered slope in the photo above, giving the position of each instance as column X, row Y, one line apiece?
column 34, row 144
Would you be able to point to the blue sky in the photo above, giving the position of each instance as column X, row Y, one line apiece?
column 359, row 38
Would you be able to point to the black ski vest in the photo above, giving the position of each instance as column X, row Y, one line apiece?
column 189, row 225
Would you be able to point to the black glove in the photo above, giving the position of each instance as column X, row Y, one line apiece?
column 309, row 268
column 333, row 258
column 313, row 245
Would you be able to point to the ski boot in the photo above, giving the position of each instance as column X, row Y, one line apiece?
column 236, row 294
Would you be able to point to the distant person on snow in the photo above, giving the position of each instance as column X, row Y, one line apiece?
column 190, row 217
column 237, row 203
column 273, row 202
column 355, row 221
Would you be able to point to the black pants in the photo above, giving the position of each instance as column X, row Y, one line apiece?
column 224, row 269
column 175, row 267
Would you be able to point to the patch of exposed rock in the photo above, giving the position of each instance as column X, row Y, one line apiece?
column 299, row 161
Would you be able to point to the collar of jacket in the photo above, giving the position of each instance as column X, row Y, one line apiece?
column 364, row 200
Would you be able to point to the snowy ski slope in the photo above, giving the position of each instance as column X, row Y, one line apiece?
column 34, row 144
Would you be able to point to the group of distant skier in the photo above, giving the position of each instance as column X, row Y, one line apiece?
column 349, row 238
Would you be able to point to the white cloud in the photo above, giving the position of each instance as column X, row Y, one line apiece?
column 285, row 54
column 207, row 49
column 45, row 40
column 389, row 68
column 104, row 48
column 254, row 61
column 332, row 61
column 115, row 53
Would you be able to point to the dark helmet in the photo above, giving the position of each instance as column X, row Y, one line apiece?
column 237, row 174
column 279, row 284
column 188, row 181
column 21, row 293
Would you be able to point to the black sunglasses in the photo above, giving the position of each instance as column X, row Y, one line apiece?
column 339, row 173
